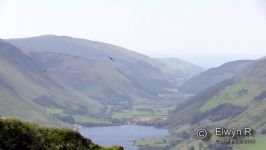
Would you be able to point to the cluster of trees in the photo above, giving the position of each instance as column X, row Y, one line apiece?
column 15, row 134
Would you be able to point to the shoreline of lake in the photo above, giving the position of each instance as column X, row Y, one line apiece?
column 123, row 135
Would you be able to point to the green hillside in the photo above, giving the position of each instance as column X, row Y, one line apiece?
column 235, row 103
column 15, row 134
column 29, row 92
column 119, row 79
column 213, row 76
column 131, row 65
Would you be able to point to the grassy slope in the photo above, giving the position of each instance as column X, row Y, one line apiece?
column 245, row 107
column 213, row 76
column 76, row 72
column 127, row 82
column 66, row 87
column 126, row 63
column 104, row 82
column 91, row 79
column 27, row 92
column 16, row 96
column 260, row 144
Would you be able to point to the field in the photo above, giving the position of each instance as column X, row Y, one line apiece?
column 145, row 112
column 55, row 111
column 90, row 120
column 260, row 144
column 156, row 142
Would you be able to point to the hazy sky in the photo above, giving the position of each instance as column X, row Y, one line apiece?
column 205, row 32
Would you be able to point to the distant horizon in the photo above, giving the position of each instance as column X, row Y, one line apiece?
column 205, row 61
column 206, row 33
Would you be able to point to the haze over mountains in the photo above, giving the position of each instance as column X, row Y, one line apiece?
column 60, row 80
column 65, row 79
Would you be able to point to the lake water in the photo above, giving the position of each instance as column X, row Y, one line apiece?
column 121, row 135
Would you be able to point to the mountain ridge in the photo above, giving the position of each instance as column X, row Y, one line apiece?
column 234, row 103
column 213, row 76
column 98, row 82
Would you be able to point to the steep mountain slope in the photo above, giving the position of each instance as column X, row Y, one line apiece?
column 109, row 58
column 118, row 78
column 235, row 103
column 130, row 64
column 88, row 82
column 100, row 81
column 29, row 92
column 213, row 76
